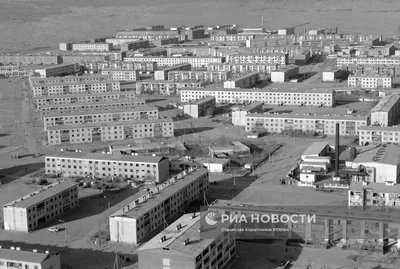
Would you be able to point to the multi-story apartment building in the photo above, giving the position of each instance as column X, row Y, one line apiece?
column 112, row 55
column 187, row 250
column 378, row 135
column 243, row 68
column 136, row 221
column 259, row 58
column 379, row 51
column 58, row 70
column 109, row 105
column 17, row 71
column 208, row 76
column 273, row 96
column 168, row 61
column 370, row 82
column 150, row 52
column 162, row 74
column 271, row 41
column 152, row 168
column 165, row 41
column 165, row 86
column 110, row 131
column 29, row 212
column 17, row 258
column 57, row 118
column 128, row 43
column 33, row 81
column 83, row 98
column 242, row 80
column 121, row 74
column 370, row 194
column 76, row 88
column 83, row 59
column 92, row 47
column 200, row 108
column 143, row 67
column 290, row 50
column 373, row 70
column 285, row 73
column 387, row 111
column 221, row 38
column 276, row 123
column 118, row 41
column 239, row 112
column 345, row 61
column 196, row 50
column 30, row 59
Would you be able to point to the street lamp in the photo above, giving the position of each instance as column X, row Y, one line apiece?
column 109, row 203
column 65, row 231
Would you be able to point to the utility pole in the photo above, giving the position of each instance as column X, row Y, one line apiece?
column 99, row 237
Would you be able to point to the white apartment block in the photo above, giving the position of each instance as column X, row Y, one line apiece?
column 136, row 221
column 17, row 258
column 168, row 61
column 58, row 118
column 284, row 74
column 109, row 105
column 92, row 47
column 151, row 168
column 149, row 67
column 76, row 88
column 276, row 123
column 387, row 111
column 242, row 81
column 370, row 82
column 379, row 135
column 58, row 70
column 259, row 58
column 292, row 97
column 83, row 98
column 33, row 81
column 200, row 108
column 121, row 74
column 165, row 87
column 242, row 68
column 345, row 61
column 162, row 74
column 231, row 38
column 29, row 212
column 209, row 76
column 132, row 43
column 110, row 131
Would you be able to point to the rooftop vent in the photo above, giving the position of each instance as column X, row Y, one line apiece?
column 18, row 248
column 35, row 250
column 193, row 216
column 163, row 239
column 13, row 248
column 186, row 242
column 178, row 227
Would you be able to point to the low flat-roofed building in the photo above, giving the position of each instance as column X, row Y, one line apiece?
column 92, row 46
column 371, row 194
column 370, row 82
column 17, row 258
column 285, row 73
column 330, row 75
column 200, row 108
column 242, row 80
column 242, row 68
column 215, row 165
column 378, row 135
column 109, row 131
column 58, row 118
column 58, row 70
column 84, row 98
column 147, row 168
column 383, row 159
column 150, row 210
column 277, row 123
column 162, row 74
column 187, row 249
column 166, row 87
column 121, row 74
column 236, row 148
column 386, row 112
column 239, row 112
column 29, row 212
column 270, row 95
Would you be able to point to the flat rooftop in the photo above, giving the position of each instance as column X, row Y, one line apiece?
column 375, row 187
column 83, row 95
column 369, row 76
column 104, row 124
column 202, row 101
column 380, row 128
column 241, row 64
column 248, row 107
column 385, row 154
column 23, row 256
column 175, row 239
column 55, row 66
column 167, row 68
column 39, row 79
column 108, row 157
column 266, row 89
column 123, row 101
column 56, row 113
column 243, row 76
column 171, row 82
column 320, row 211
column 315, row 148
column 42, row 194
column 175, row 57
column 307, row 116
column 386, row 103
column 142, row 208
column 259, row 54
column 85, row 82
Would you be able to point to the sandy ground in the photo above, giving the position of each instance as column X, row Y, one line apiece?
column 39, row 25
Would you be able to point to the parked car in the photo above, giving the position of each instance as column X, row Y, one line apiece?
column 53, row 229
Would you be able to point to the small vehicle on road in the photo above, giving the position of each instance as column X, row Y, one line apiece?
column 284, row 265
column 53, row 229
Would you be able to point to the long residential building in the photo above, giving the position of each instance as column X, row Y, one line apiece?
column 143, row 67
column 345, row 61
column 151, row 168
column 76, row 88
column 128, row 43
column 112, row 55
column 58, row 70
column 379, row 134
column 17, row 258
column 283, row 96
column 29, row 212
column 370, row 82
column 30, row 59
column 110, row 131
column 371, row 194
column 33, row 81
column 149, row 211
column 208, row 76
column 374, row 70
column 242, row 80
column 219, row 38
column 168, row 61
column 387, row 111
column 82, row 59
column 165, row 87
column 83, row 98
column 108, row 105
column 121, row 74
column 200, row 108
column 91, row 47
column 242, row 68
column 276, row 123
column 259, row 58
column 57, row 118
column 162, row 74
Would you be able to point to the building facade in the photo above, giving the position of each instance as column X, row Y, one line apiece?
column 121, row 74
column 284, row 74
column 200, row 108
column 29, row 212
column 374, row 70
column 162, row 74
column 378, row 135
column 242, row 81
column 110, row 131
column 58, row 70
column 92, row 47
column 368, row 194
column 17, row 258
column 208, row 76
column 30, row 59
column 259, row 58
column 370, row 82
column 165, row 87
column 345, row 61
column 386, row 112
column 168, row 61
column 36, row 81
column 242, row 68
column 83, row 59
column 239, row 112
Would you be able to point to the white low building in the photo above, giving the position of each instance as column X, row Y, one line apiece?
column 15, row 258
column 215, row 165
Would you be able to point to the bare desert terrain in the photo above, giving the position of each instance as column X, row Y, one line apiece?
column 33, row 25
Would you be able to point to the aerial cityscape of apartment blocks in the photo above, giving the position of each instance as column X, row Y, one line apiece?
column 150, row 210
column 162, row 74
column 83, row 98
column 272, row 96
column 168, row 61
column 31, row 211
column 84, row 87
column 109, row 131
column 209, row 76
column 154, row 169
column 121, row 74
column 56, row 118
column 58, row 70
column 387, row 111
